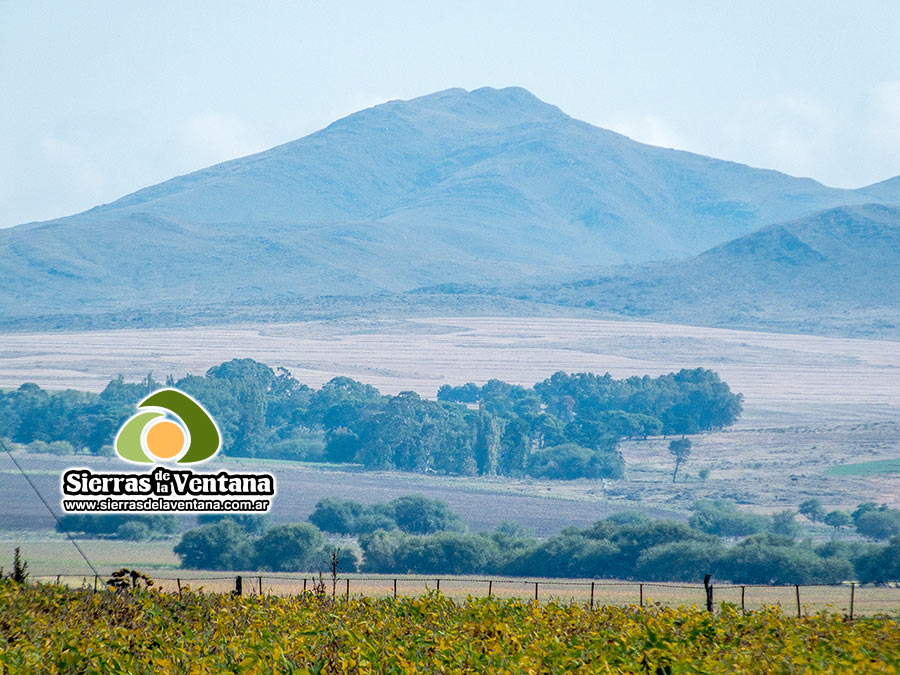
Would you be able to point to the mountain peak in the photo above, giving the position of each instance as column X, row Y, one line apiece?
column 483, row 106
column 489, row 186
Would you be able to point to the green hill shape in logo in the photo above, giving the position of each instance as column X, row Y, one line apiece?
column 204, row 435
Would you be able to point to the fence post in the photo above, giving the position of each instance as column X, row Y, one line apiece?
column 490, row 587
column 238, row 585
column 707, row 584
column 178, row 581
column 852, row 594
column 438, row 585
column 348, row 587
column 304, row 584
column 260, row 586
column 57, row 580
column 592, row 595
column 96, row 578
column 797, row 588
column 641, row 591
column 535, row 590
column 395, row 589
column 743, row 611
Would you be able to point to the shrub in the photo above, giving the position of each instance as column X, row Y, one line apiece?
column 678, row 561
column 768, row 559
column 838, row 519
column 108, row 524
column 336, row 515
column 570, row 460
column 444, row 553
column 416, row 514
column 721, row 518
column 880, row 523
column 133, row 530
column 215, row 546
column 250, row 523
column 812, row 509
column 783, row 523
column 289, row 548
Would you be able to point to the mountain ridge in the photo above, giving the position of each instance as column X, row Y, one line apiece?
column 832, row 272
column 488, row 187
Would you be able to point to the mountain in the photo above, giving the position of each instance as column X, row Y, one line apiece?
column 483, row 187
column 885, row 191
column 832, row 272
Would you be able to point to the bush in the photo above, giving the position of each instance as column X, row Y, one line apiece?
column 721, row 518
column 444, row 553
column 52, row 448
column 783, row 523
column 215, row 546
column 570, row 460
column 416, row 514
column 250, row 523
column 109, row 524
column 133, row 530
column 880, row 523
column 838, row 519
column 879, row 563
column 380, row 550
column 812, row 509
column 769, row 559
column 678, row 561
column 341, row 445
column 290, row 548
column 336, row 515
column 569, row 555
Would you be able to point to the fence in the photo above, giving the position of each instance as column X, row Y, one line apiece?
column 852, row 599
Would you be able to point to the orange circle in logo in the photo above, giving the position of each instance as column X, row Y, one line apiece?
column 165, row 439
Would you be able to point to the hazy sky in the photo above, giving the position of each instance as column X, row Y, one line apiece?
column 98, row 99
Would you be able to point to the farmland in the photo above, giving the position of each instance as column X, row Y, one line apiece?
column 812, row 405
column 57, row 628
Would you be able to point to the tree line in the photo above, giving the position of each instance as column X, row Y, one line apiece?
column 416, row 535
column 566, row 426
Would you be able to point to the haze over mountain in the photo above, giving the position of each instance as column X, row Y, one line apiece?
column 833, row 272
column 489, row 187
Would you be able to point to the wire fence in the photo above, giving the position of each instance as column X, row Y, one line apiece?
column 850, row 598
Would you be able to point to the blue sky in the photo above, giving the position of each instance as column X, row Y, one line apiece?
column 102, row 98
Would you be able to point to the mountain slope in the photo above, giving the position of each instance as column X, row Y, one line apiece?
column 489, row 186
column 834, row 271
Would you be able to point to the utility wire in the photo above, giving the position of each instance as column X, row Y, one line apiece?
column 52, row 512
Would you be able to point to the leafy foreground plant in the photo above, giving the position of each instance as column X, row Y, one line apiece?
column 56, row 629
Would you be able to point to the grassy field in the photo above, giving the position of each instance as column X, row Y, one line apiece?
column 866, row 468
column 54, row 628
column 812, row 404
column 785, row 378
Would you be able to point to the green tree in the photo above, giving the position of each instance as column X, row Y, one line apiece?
column 337, row 515
column 678, row 561
column 812, row 509
column 722, row 518
column 838, row 519
column 783, row 523
column 250, row 523
column 215, row 546
column 879, row 523
column 570, row 460
column 133, row 530
column 293, row 547
column 681, row 450
column 416, row 514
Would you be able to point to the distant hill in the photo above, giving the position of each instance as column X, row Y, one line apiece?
column 832, row 272
column 488, row 187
